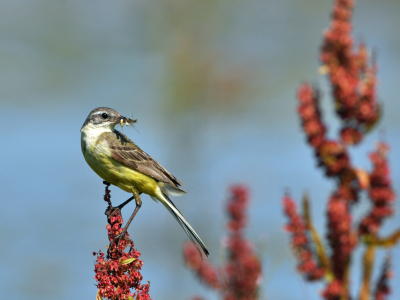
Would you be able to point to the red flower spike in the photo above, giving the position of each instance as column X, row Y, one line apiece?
column 240, row 277
column 307, row 265
column 380, row 192
column 340, row 236
column 332, row 155
column 107, row 195
column 118, row 273
column 352, row 75
column 310, row 115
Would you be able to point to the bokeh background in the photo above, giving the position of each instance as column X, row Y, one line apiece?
column 212, row 83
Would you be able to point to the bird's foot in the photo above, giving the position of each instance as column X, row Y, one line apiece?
column 112, row 212
column 119, row 243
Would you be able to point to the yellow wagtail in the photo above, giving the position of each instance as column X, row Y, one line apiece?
column 119, row 161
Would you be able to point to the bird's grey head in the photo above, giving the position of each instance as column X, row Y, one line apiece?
column 105, row 117
column 102, row 117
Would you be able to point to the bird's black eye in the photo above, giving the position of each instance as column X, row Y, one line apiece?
column 104, row 115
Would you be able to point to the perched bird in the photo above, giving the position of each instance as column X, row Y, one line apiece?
column 119, row 161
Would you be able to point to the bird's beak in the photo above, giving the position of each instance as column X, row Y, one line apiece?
column 126, row 120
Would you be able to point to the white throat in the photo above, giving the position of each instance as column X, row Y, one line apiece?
column 96, row 130
column 90, row 134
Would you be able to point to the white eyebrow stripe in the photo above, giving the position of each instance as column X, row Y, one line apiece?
column 104, row 112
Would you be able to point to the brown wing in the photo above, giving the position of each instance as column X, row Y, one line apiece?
column 128, row 153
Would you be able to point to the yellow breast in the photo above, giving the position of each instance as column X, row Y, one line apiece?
column 98, row 156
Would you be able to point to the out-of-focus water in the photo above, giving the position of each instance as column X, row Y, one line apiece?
column 213, row 85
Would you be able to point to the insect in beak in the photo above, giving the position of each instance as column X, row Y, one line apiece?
column 127, row 121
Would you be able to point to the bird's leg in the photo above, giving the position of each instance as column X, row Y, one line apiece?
column 138, row 205
column 126, row 202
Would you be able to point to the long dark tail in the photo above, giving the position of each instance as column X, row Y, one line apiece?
column 184, row 224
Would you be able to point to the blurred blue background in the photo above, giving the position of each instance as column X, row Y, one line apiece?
column 212, row 84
